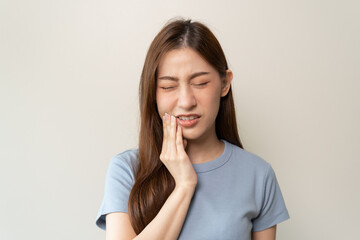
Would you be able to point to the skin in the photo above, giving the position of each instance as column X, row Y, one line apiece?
column 186, row 84
column 178, row 93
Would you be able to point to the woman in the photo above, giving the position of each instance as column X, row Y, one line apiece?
column 190, row 178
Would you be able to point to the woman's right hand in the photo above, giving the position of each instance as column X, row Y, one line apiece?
column 173, row 154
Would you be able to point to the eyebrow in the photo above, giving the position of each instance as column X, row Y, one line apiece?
column 192, row 76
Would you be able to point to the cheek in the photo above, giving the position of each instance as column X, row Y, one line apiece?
column 212, row 108
column 162, row 104
column 213, row 100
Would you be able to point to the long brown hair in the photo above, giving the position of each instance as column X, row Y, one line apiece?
column 153, row 182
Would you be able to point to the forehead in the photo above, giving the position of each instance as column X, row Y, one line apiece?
column 183, row 61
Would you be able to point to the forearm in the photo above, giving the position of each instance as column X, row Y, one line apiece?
column 170, row 219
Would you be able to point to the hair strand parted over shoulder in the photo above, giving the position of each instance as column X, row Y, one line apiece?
column 153, row 182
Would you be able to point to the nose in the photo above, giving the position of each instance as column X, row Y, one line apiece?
column 186, row 98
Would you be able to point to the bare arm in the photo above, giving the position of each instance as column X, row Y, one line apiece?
column 168, row 222
column 166, row 225
column 267, row 234
column 118, row 226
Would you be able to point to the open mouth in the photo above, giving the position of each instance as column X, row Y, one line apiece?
column 187, row 118
column 188, row 121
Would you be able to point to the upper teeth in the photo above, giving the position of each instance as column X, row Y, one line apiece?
column 187, row 118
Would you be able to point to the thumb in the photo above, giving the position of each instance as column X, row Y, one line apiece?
column 184, row 143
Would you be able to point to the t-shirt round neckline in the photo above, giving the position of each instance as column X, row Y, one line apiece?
column 217, row 162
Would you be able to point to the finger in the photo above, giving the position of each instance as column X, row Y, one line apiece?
column 179, row 140
column 168, row 127
column 164, row 126
column 165, row 134
column 172, row 135
column 185, row 143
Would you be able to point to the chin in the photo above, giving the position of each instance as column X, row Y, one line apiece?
column 190, row 134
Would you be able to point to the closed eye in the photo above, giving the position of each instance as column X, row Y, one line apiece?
column 166, row 88
column 201, row 84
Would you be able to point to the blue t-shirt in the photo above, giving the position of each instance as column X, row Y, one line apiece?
column 236, row 193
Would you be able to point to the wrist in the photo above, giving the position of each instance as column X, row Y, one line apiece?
column 186, row 187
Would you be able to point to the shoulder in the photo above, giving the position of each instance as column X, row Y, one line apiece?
column 125, row 162
column 250, row 161
column 121, row 173
column 119, row 180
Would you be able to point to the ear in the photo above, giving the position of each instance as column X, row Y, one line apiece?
column 225, row 83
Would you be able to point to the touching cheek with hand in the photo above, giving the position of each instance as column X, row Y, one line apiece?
column 173, row 153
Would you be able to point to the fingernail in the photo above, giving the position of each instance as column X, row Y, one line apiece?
column 172, row 118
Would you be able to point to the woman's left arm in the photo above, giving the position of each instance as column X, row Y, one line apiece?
column 267, row 234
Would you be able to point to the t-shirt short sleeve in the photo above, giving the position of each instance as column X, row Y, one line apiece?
column 118, row 183
column 273, row 209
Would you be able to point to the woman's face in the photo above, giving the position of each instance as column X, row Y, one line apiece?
column 190, row 89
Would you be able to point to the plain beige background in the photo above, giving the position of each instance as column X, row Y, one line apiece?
column 69, row 75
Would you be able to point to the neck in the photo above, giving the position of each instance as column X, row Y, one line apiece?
column 204, row 149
